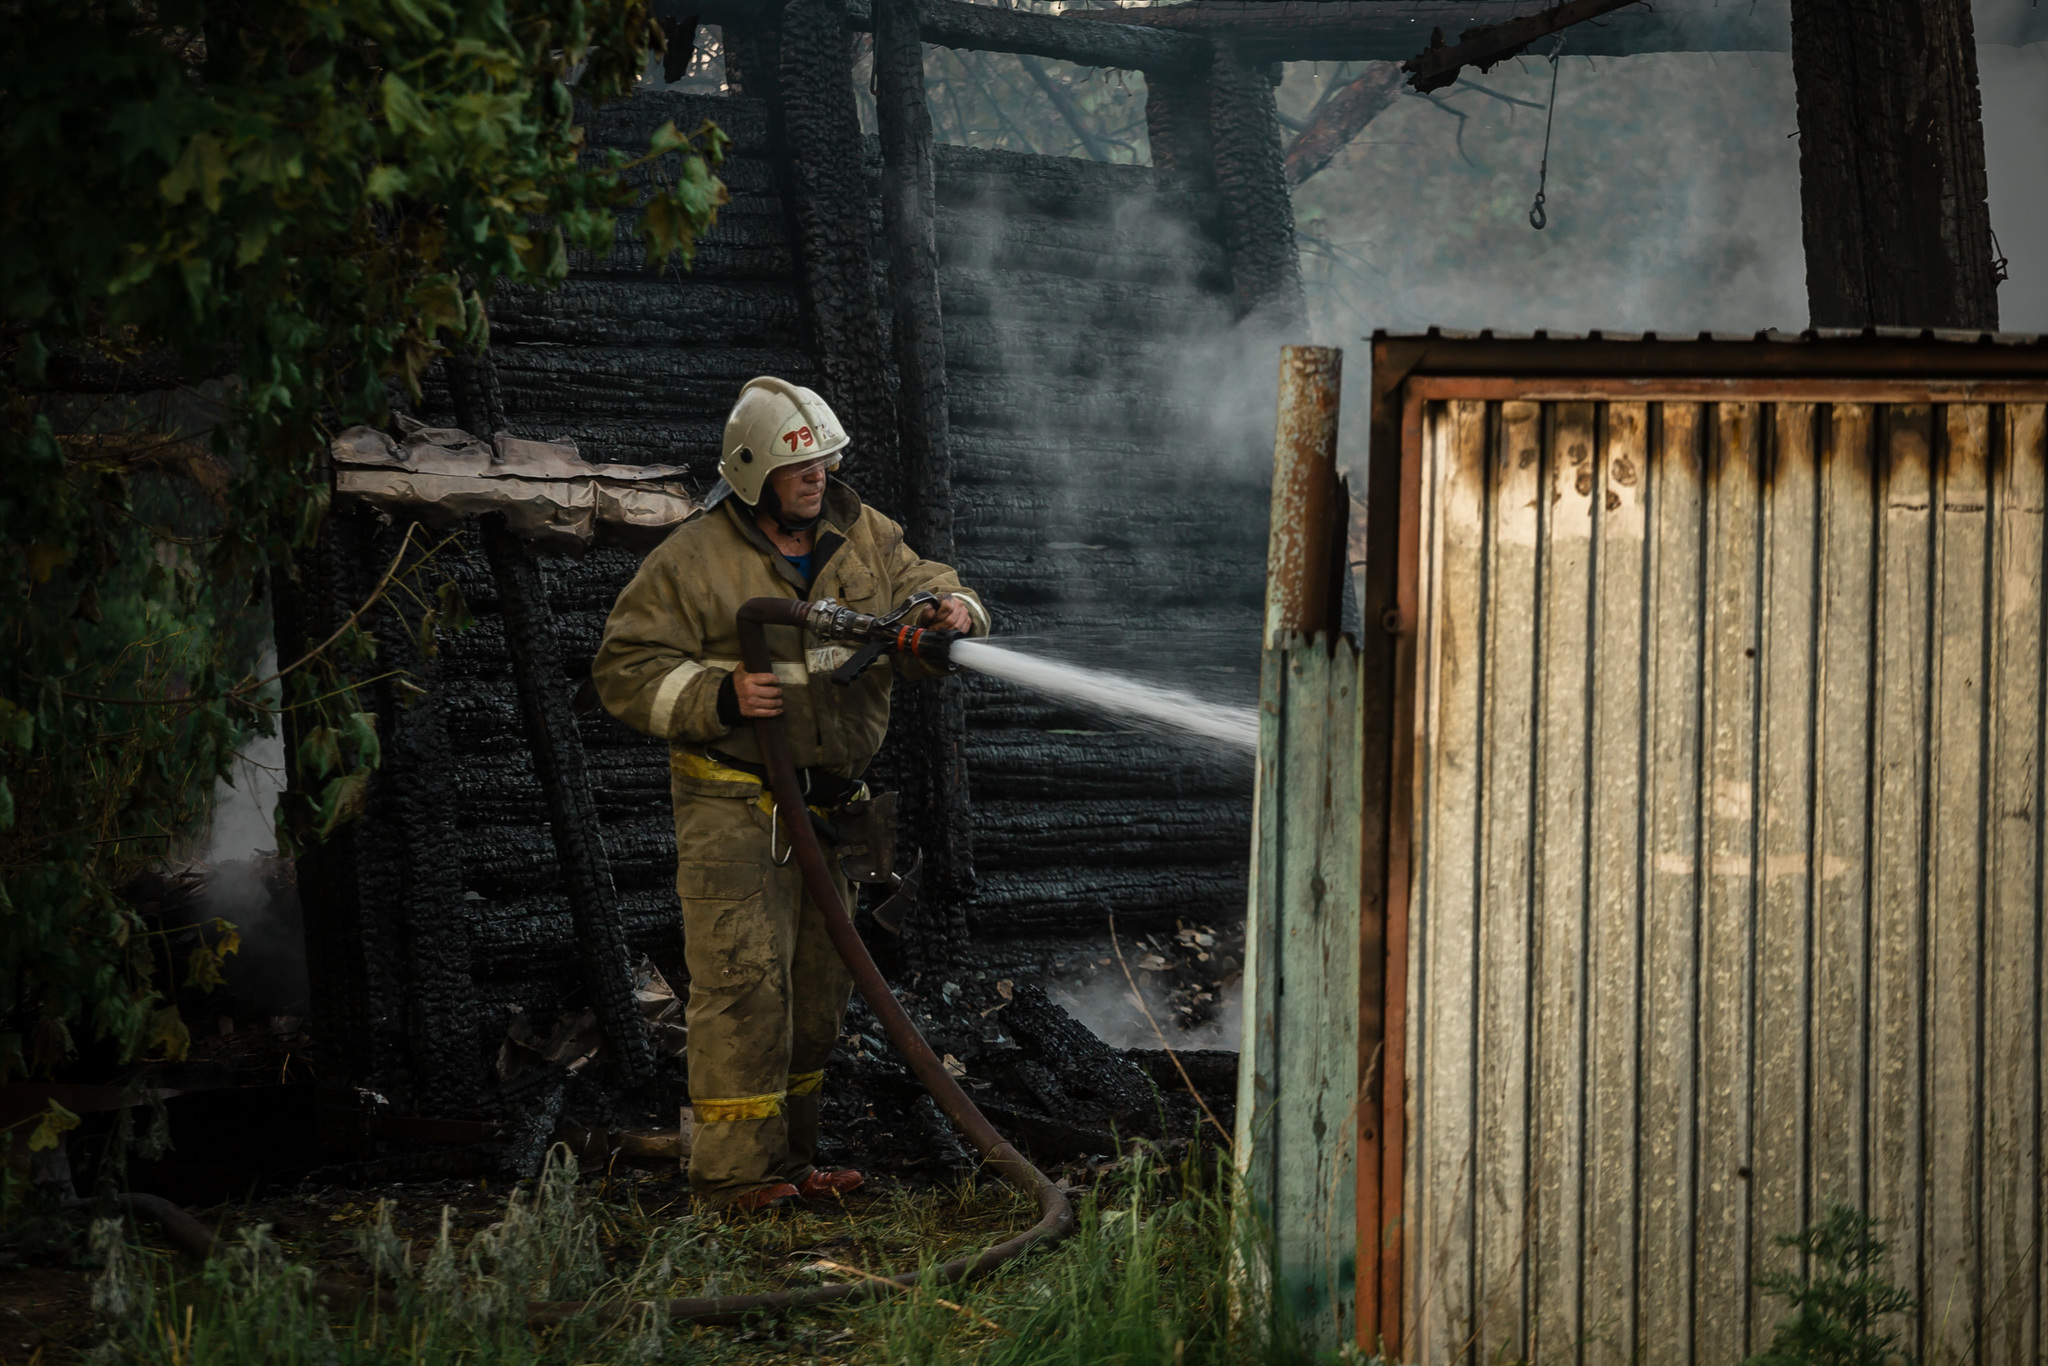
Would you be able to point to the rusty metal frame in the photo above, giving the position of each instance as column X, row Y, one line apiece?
column 1411, row 371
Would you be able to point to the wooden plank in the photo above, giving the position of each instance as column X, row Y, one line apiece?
column 1614, row 941
column 1671, row 807
column 1501, row 993
column 1841, row 907
column 1314, row 1073
column 1447, row 893
column 1728, row 913
column 1258, row 1042
column 1556, row 1257
column 1898, row 840
column 1955, row 883
column 2009, row 1330
column 1786, row 659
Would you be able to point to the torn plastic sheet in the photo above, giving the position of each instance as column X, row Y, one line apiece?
column 545, row 490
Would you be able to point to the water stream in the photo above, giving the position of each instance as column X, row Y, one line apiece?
column 1145, row 705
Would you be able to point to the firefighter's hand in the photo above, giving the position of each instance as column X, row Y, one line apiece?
column 950, row 614
column 759, row 694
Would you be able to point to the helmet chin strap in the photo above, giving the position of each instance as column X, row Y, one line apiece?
column 772, row 505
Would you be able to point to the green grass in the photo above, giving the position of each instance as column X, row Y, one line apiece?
column 1148, row 1278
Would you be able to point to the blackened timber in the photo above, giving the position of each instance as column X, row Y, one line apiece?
column 1177, row 123
column 558, row 761
column 1891, row 166
column 1374, row 31
column 556, row 748
column 931, row 725
column 985, row 28
column 1251, row 181
column 416, row 824
column 1438, row 65
column 829, row 203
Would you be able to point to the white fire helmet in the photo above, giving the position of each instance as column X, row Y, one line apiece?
column 776, row 423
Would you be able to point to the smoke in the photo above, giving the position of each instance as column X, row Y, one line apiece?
column 1109, row 1008
column 259, row 896
column 2014, row 84
column 249, row 886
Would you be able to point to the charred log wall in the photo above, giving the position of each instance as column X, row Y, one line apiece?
column 1094, row 490
column 635, row 367
column 1105, row 492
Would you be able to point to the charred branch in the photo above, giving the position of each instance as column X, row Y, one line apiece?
column 1340, row 119
column 1064, row 104
column 1438, row 65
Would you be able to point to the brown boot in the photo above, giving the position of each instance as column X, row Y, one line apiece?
column 821, row 1183
column 769, row 1197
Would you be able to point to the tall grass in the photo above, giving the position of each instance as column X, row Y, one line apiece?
column 1148, row 1279
column 450, row 1305
column 1158, row 1273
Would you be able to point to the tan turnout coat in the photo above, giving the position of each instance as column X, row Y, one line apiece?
column 671, row 640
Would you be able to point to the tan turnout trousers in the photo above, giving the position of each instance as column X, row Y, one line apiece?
column 767, row 994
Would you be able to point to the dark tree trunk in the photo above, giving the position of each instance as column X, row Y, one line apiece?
column 1891, row 165
column 930, row 729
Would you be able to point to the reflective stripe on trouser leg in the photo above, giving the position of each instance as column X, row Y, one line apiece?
column 753, row 1009
column 733, row 1109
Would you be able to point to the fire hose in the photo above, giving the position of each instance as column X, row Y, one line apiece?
column 892, row 634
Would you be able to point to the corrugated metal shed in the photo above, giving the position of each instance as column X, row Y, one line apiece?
column 1711, row 776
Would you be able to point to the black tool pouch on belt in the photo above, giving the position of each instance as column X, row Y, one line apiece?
column 867, row 838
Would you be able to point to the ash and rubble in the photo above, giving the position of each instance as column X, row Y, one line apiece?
column 1048, row 1036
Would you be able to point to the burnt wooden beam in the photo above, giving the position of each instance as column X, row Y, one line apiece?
column 931, row 727
column 984, row 28
column 1438, row 65
column 555, row 748
column 1374, row 31
column 1891, row 165
column 819, row 126
column 1251, row 180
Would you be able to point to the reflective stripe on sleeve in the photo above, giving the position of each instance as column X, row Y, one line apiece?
column 822, row 659
column 662, row 716
column 733, row 1109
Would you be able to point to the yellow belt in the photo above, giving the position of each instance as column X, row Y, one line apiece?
column 689, row 763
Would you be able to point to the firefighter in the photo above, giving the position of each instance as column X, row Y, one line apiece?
column 767, row 991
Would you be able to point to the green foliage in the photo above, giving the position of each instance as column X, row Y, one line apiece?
column 224, row 230
column 1143, row 1281
column 453, row 1304
column 1839, row 1304
column 1152, row 1275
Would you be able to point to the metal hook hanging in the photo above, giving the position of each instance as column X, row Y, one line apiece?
column 774, row 814
column 1537, row 217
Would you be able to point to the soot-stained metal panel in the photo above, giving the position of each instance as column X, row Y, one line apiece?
column 1727, row 859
